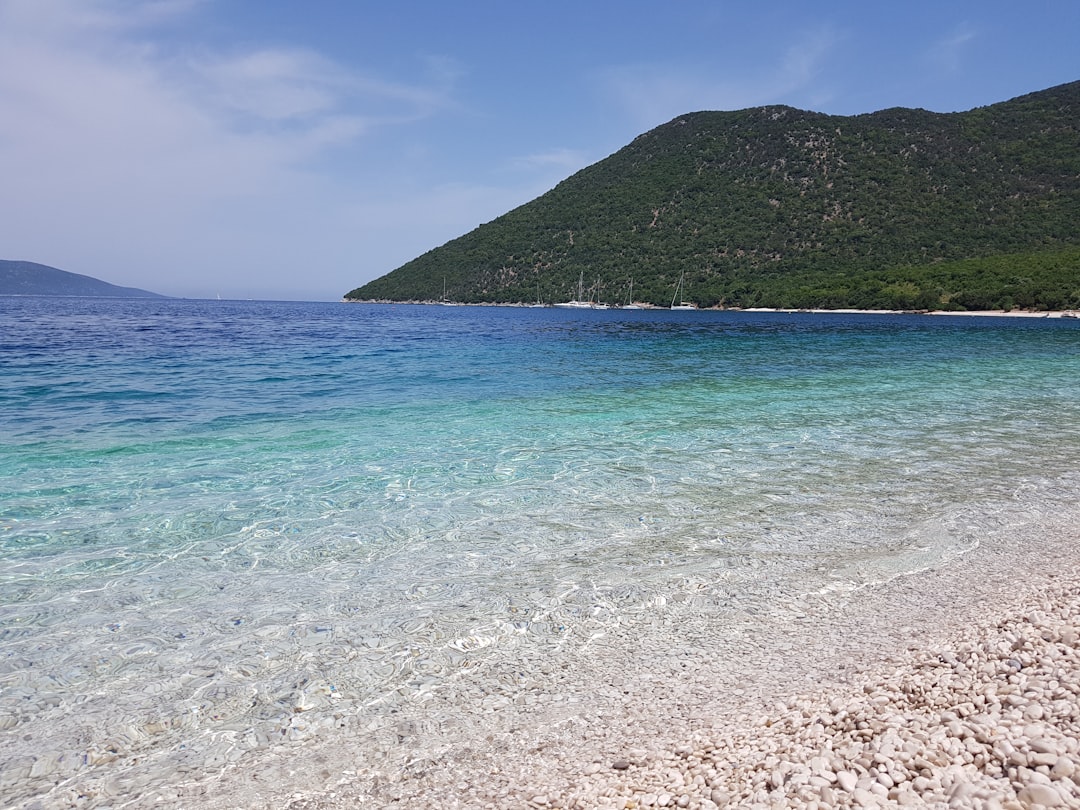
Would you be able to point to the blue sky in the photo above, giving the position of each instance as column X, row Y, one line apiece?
column 288, row 150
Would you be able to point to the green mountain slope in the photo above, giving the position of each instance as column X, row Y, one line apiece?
column 30, row 278
column 780, row 207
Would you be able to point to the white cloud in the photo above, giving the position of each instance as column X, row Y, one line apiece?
column 273, row 84
column 565, row 160
column 276, row 86
column 652, row 94
column 948, row 54
column 73, row 20
column 121, row 149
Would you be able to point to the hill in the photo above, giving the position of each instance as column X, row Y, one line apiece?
column 29, row 278
column 774, row 206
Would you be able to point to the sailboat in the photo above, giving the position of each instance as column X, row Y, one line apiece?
column 539, row 302
column 682, row 304
column 444, row 301
column 597, row 303
column 630, row 298
column 577, row 303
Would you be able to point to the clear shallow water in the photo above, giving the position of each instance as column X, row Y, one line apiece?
column 229, row 527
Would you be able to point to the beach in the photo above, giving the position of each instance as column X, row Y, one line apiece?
column 951, row 687
column 988, row 313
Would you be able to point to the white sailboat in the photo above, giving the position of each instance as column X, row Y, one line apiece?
column 596, row 304
column 539, row 302
column 682, row 304
column 630, row 298
column 444, row 301
column 577, row 303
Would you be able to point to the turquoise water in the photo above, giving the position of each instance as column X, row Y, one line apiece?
column 232, row 527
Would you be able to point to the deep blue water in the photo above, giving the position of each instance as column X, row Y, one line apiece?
column 224, row 526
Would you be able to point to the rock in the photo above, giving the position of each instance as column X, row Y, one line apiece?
column 1063, row 768
column 1047, row 759
column 1041, row 745
column 847, row 780
column 1035, row 793
column 864, row 798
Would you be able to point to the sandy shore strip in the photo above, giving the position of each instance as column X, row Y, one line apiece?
column 989, row 313
column 953, row 687
column 998, row 313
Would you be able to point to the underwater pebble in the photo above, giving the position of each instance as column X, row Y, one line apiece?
column 990, row 719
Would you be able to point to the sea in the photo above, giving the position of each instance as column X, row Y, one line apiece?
column 236, row 532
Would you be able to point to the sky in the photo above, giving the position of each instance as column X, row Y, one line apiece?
column 276, row 149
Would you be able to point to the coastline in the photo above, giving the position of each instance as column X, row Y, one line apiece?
column 685, row 727
column 994, row 313
column 991, row 313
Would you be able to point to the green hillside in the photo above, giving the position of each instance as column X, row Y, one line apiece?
column 779, row 207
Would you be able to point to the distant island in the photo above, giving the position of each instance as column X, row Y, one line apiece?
column 901, row 209
column 30, row 278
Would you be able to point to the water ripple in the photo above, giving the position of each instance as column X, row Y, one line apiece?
column 228, row 529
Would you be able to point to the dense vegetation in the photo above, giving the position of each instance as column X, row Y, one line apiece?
column 778, row 207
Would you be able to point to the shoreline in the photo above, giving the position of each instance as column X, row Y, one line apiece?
column 677, row 727
column 992, row 313
column 989, row 313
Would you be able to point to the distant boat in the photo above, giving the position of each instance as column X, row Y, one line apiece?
column 577, row 303
column 596, row 304
column 444, row 301
column 539, row 301
column 630, row 298
column 682, row 304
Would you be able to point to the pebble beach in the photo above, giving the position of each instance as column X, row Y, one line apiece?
column 953, row 687
column 989, row 721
